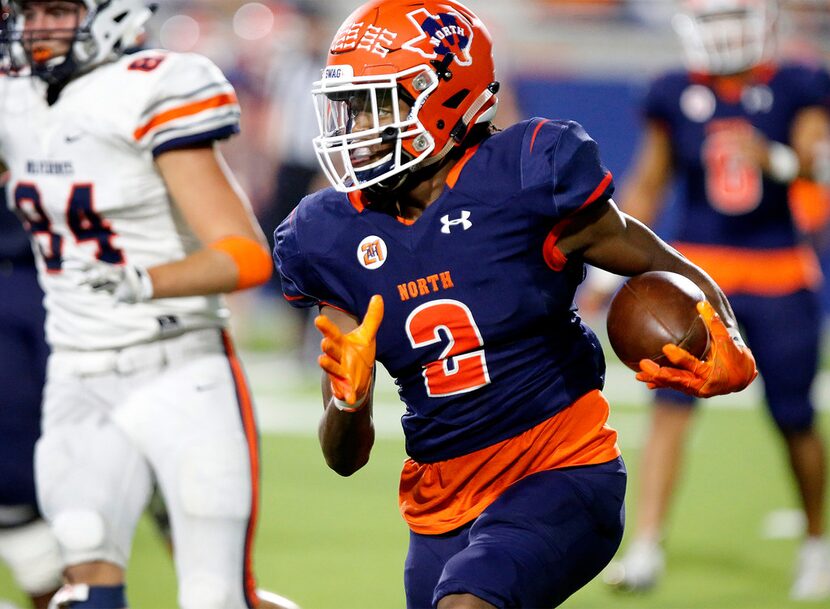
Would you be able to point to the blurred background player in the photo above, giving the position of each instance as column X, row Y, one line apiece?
column 27, row 546
column 461, row 247
column 735, row 131
column 137, row 226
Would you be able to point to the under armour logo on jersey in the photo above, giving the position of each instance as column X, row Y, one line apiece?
column 464, row 221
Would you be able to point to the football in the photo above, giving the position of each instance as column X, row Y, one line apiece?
column 651, row 310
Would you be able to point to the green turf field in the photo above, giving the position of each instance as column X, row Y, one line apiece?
column 334, row 543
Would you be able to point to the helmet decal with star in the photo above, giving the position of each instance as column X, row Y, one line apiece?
column 440, row 35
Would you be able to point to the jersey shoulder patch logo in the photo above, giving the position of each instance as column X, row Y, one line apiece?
column 372, row 252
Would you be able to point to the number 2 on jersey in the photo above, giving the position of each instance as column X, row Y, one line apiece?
column 462, row 366
column 84, row 222
column 734, row 185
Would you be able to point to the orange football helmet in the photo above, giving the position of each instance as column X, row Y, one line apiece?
column 404, row 82
column 725, row 36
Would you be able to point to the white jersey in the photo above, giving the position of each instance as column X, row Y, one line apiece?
column 82, row 175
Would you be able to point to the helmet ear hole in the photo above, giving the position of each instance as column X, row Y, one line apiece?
column 456, row 98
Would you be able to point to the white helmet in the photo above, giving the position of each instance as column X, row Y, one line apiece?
column 108, row 29
column 725, row 36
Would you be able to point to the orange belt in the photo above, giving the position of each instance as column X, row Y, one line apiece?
column 773, row 272
column 439, row 497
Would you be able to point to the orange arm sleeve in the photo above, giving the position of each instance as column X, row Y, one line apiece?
column 251, row 258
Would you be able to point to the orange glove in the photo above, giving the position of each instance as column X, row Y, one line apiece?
column 728, row 367
column 349, row 359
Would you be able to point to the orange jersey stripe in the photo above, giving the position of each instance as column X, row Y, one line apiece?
column 357, row 199
column 764, row 272
column 536, row 132
column 553, row 256
column 225, row 99
column 598, row 190
column 439, row 497
column 246, row 412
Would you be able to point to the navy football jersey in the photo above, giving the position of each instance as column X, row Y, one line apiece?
column 723, row 201
column 23, row 352
column 479, row 330
column 14, row 241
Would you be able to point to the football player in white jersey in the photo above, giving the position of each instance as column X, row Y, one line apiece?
column 138, row 228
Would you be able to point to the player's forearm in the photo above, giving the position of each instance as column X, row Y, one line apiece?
column 662, row 257
column 810, row 140
column 206, row 271
column 345, row 437
column 644, row 192
column 623, row 245
column 643, row 201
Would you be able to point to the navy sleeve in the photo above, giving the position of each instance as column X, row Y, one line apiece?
column 813, row 86
column 295, row 275
column 579, row 176
column 14, row 240
column 562, row 155
column 656, row 105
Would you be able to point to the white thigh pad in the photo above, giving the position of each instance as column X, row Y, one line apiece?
column 187, row 421
column 79, row 530
column 92, row 487
column 215, row 477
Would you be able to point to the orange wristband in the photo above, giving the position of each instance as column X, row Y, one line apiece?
column 252, row 260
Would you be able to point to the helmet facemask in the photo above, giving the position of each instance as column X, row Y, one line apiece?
column 429, row 62
column 104, row 32
column 724, row 37
column 35, row 45
column 369, row 126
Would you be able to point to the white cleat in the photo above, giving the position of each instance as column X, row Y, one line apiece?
column 639, row 569
column 812, row 577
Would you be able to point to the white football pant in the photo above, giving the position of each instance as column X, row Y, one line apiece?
column 176, row 411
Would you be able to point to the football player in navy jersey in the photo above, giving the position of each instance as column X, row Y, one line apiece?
column 450, row 251
column 735, row 130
